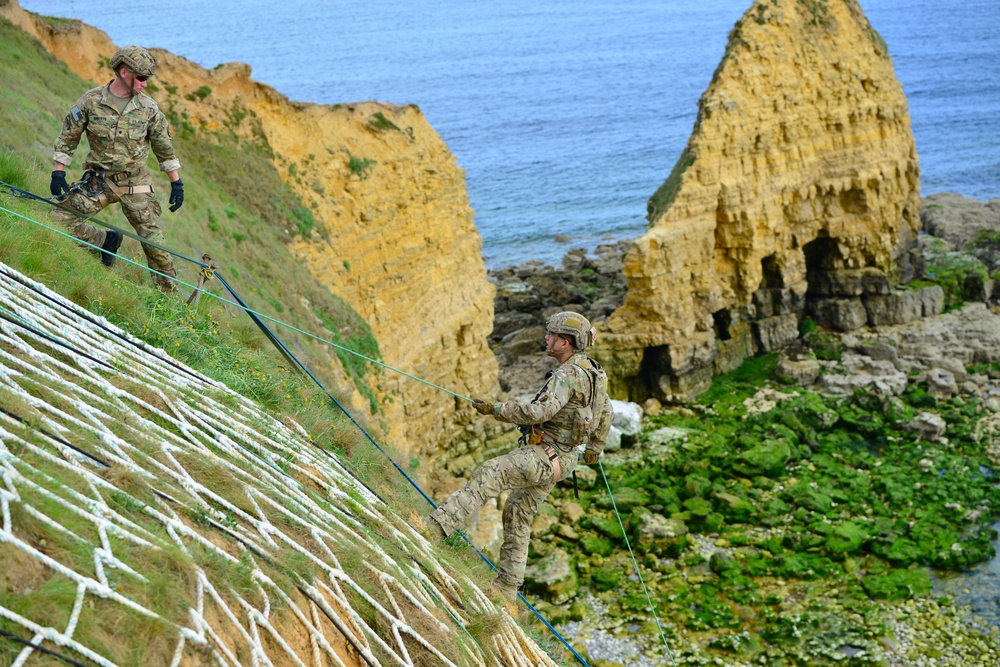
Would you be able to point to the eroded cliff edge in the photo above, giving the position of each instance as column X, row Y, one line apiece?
column 798, row 192
column 396, row 238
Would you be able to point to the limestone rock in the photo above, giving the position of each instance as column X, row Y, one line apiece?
column 959, row 220
column 895, row 308
column 586, row 477
column 627, row 418
column 801, row 372
column 928, row 426
column 801, row 162
column 660, row 535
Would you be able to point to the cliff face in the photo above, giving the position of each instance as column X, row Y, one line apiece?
column 396, row 236
column 798, row 193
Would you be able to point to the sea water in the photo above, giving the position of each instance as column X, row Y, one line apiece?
column 567, row 114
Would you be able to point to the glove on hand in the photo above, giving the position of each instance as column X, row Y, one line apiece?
column 482, row 407
column 58, row 184
column 591, row 456
column 176, row 195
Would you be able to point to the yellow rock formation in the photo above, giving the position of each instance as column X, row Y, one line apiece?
column 399, row 243
column 801, row 162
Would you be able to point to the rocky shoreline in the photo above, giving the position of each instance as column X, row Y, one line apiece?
column 794, row 514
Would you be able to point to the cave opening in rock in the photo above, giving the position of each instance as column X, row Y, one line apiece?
column 654, row 366
column 771, row 273
column 822, row 254
column 723, row 320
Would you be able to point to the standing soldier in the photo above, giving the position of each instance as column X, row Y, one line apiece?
column 122, row 123
column 571, row 409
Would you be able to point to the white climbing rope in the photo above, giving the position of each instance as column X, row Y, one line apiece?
column 231, row 484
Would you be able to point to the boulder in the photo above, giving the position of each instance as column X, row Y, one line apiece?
column 846, row 538
column 928, row 426
column 553, row 577
column 523, row 341
column 660, row 535
column 941, row 383
column 614, row 441
column 627, row 418
column 586, row 477
column 776, row 332
column 803, row 372
column 767, row 459
column 957, row 219
column 733, row 507
column 625, row 499
column 895, row 308
column 840, row 314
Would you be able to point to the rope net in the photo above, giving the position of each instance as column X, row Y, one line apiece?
column 152, row 516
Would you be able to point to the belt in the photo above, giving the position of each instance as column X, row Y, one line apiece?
column 554, row 460
column 120, row 190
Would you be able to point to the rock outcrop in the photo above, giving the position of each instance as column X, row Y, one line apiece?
column 798, row 193
column 396, row 235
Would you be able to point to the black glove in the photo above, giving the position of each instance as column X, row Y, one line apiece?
column 58, row 185
column 176, row 195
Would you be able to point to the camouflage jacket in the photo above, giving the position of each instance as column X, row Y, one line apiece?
column 569, row 408
column 118, row 142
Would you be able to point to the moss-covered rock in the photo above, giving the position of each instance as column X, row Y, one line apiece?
column 608, row 577
column 552, row 577
column 846, row 538
column 608, row 526
column 660, row 535
column 695, row 486
column 767, row 459
column 733, row 507
column 698, row 508
column 625, row 499
column 592, row 544
column 897, row 585
column 805, row 496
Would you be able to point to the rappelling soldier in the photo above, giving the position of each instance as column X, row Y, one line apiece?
column 571, row 411
column 121, row 123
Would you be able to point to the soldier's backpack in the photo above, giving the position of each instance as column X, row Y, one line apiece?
column 592, row 422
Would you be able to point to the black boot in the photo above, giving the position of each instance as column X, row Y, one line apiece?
column 112, row 241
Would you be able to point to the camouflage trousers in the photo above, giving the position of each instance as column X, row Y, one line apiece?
column 143, row 213
column 527, row 473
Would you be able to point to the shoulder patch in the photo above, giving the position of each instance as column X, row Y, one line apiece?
column 76, row 114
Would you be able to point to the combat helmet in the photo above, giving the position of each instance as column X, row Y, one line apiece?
column 574, row 325
column 139, row 61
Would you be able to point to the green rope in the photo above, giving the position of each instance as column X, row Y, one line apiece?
column 233, row 303
column 636, row 564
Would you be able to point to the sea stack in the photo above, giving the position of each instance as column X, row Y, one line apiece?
column 797, row 194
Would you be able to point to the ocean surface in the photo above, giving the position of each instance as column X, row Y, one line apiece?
column 566, row 114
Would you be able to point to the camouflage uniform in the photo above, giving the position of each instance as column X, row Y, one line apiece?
column 119, row 145
column 527, row 470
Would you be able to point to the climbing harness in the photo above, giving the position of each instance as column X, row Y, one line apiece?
column 531, row 434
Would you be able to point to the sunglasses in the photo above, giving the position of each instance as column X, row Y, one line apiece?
column 142, row 78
